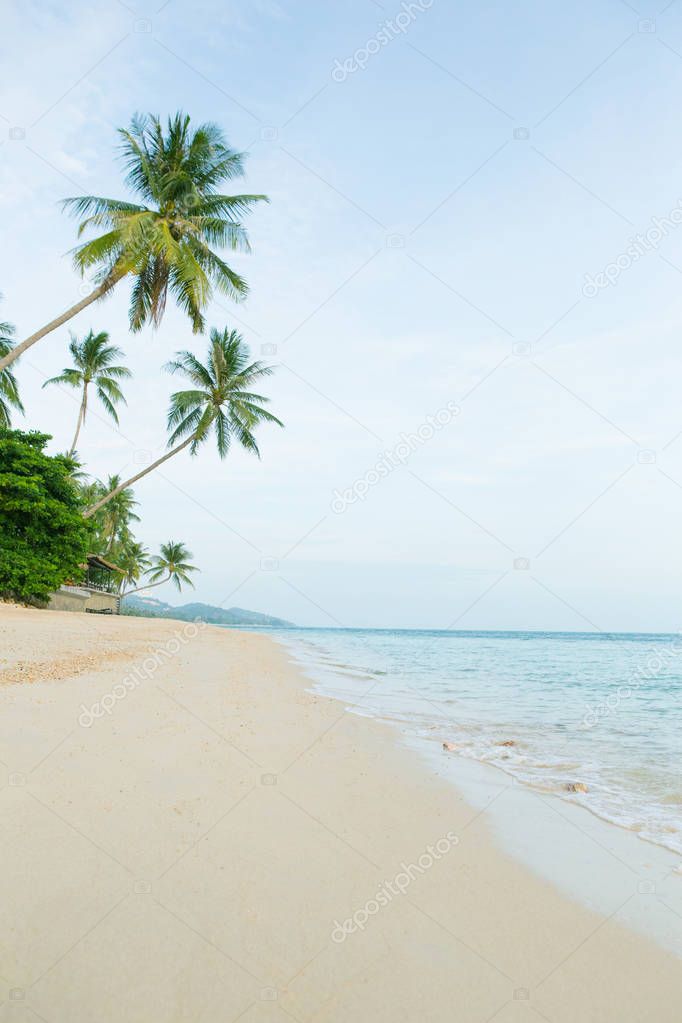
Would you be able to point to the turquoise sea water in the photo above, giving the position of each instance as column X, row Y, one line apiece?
column 601, row 710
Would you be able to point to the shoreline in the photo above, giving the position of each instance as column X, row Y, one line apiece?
column 578, row 826
column 191, row 851
column 396, row 701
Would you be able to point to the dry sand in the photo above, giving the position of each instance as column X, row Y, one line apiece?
column 186, row 856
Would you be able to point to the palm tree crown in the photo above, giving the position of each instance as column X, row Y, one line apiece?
column 117, row 515
column 167, row 240
column 221, row 400
column 172, row 564
column 133, row 560
column 93, row 359
column 9, row 390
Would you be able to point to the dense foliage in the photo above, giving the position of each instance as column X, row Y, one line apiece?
column 43, row 537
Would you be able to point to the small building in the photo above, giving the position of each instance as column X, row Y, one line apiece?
column 97, row 593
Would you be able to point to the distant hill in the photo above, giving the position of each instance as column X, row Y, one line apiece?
column 150, row 607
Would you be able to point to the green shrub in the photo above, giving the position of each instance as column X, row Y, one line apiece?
column 43, row 536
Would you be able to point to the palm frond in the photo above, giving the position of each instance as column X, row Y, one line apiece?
column 96, row 206
column 70, row 377
column 118, row 372
column 111, row 389
column 230, row 206
column 187, row 363
column 224, row 278
column 187, row 426
column 258, row 414
column 108, row 404
column 104, row 252
column 202, row 428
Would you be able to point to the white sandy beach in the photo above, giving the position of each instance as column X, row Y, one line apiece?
column 223, row 844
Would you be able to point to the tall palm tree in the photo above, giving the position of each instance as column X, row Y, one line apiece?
column 117, row 515
column 9, row 389
column 221, row 401
column 170, row 565
column 133, row 560
column 165, row 242
column 93, row 359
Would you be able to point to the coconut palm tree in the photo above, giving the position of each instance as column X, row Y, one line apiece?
column 110, row 527
column 165, row 242
column 9, row 390
column 220, row 402
column 90, row 490
column 171, row 565
column 77, row 473
column 117, row 515
column 93, row 359
column 133, row 560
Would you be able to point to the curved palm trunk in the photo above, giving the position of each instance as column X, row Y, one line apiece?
column 81, row 419
column 53, row 324
column 133, row 479
column 147, row 586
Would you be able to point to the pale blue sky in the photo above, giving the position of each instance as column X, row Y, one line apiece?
column 433, row 218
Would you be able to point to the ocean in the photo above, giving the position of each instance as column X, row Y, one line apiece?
column 554, row 710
